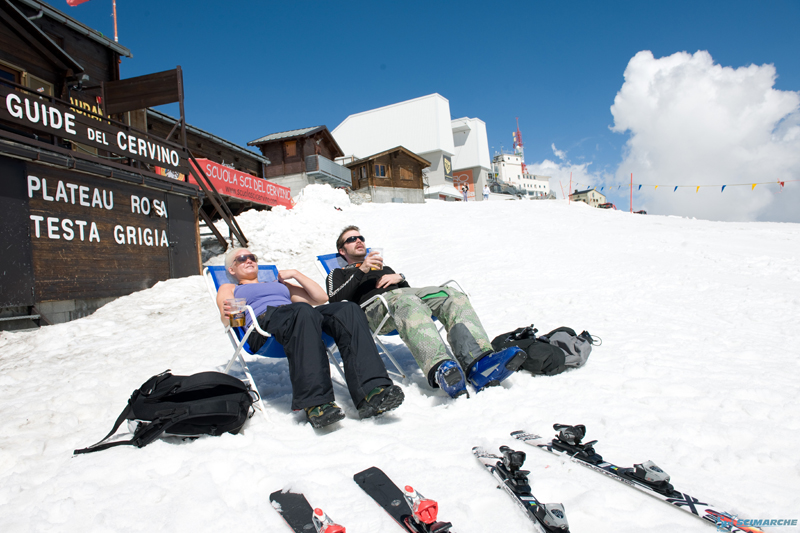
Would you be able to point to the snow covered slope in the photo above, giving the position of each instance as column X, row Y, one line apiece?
column 698, row 372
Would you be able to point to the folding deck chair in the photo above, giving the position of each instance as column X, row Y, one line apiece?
column 215, row 277
column 328, row 262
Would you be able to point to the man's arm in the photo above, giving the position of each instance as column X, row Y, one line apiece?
column 342, row 284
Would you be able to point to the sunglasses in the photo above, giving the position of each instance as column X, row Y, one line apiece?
column 243, row 258
column 354, row 238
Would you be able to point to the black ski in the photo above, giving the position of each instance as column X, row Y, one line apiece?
column 548, row 517
column 300, row 516
column 647, row 477
column 409, row 509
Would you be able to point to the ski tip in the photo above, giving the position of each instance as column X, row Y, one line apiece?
column 318, row 512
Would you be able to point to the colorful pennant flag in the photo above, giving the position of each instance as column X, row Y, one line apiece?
column 698, row 189
column 640, row 187
column 676, row 188
column 723, row 188
column 754, row 186
column 74, row 3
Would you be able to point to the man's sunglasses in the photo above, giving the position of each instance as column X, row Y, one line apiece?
column 354, row 238
column 243, row 258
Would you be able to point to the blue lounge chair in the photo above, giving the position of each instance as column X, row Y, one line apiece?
column 328, row 262
column 215, row 277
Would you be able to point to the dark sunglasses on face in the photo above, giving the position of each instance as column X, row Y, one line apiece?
column 243, row 258
column 354, row 238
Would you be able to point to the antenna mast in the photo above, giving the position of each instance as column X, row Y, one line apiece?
column 518, row 148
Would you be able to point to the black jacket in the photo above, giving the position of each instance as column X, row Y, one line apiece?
column 350, row 283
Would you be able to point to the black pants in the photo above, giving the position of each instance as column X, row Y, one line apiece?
column 298, row 328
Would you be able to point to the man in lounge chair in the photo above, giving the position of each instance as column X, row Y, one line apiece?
column 366, row 276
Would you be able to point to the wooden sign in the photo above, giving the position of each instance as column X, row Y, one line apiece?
column 59, row 118
column 93, row 237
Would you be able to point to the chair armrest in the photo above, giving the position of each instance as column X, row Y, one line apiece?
column 253, row 324
column 385, row 304
column 456, row 284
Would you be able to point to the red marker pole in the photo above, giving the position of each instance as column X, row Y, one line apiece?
column 631, row 192
column 570, row 188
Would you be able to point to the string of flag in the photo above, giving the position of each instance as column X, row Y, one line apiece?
column 638, row 186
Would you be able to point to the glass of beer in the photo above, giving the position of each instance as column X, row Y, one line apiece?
column 237, row 306
column 379, row 251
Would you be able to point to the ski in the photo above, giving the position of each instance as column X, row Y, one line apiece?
column 646, row 477
column 548, row 517
column 412, row 511
column 300, row 516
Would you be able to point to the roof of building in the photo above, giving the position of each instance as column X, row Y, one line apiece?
column 210, row 136
column 422, row 124
column 584, row 192
column 296, row 134
column 76, row 26
column 446, row 190
column 302, row 132
column 424, row 162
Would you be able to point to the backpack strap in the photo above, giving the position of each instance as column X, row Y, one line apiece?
column 121, row 418
column 147, row 433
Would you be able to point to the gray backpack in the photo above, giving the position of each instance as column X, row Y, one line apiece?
column 577, row 347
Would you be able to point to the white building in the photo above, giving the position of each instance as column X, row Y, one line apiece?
column 458, row 150
column 507, row 168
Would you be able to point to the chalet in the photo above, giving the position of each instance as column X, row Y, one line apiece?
column 303, row 156
column 394, row 175
column 94, row 203
column 589, row 196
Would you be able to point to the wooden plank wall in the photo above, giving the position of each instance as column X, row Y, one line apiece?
column 116, row 245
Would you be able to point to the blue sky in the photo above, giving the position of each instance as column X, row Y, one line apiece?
column 253, row 68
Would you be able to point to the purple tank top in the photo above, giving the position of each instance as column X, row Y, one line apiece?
column 261, row 295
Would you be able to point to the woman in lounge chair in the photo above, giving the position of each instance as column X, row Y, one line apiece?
column 284, row 310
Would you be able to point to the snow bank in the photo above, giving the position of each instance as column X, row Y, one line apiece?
column 698, row 372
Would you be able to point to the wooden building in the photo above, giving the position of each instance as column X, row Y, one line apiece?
column 86, row 214
column 245, row 186
column 391, row 176
column 303, row 156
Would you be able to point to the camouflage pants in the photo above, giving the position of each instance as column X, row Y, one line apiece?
column 410, row 312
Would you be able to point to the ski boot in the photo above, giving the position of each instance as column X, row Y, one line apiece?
column 451, row 379
column 493, row 368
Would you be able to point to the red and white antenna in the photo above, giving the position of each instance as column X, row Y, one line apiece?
column 518, row 147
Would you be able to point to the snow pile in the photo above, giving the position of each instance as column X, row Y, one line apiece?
column 698, row 372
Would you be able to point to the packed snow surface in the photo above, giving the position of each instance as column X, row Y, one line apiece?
column 698, row 371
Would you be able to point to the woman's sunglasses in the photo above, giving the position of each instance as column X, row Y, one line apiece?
column 354, row 238
column 243, row 258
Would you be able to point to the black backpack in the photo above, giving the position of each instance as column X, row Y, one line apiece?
column 208, row 403
column 548, row 354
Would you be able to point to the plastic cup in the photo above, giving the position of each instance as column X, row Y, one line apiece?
column 237, row 306
column 380, row 253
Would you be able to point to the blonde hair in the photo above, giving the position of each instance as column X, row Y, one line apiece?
column 231, row 255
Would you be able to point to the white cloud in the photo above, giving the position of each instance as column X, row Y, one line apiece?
column 562, row 155
column 693, row 122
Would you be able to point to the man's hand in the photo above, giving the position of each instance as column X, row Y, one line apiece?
column 372, row 262
column 389, row 279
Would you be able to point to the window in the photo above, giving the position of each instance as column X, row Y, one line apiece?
column 363, row 172
column 380, row 171
column 39, row 85
column 291, row 148
column 7, row 72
